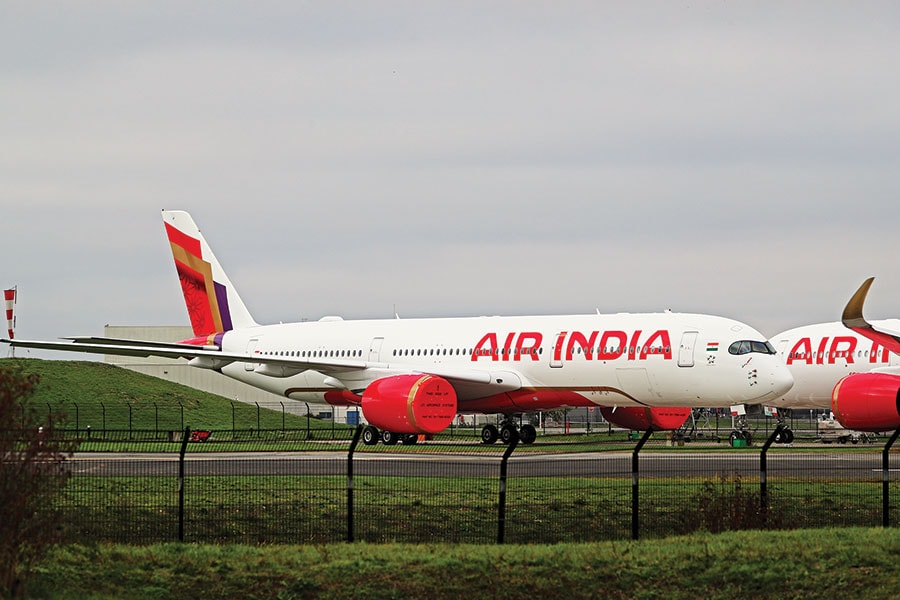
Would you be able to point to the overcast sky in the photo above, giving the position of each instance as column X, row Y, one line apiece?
column 451, row 158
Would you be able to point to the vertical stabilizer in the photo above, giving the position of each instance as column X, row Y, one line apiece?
column 213, row 304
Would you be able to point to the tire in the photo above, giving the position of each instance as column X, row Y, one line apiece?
column 409, row 439
column 528, row 434
column 489, row 434
column 389, row 438
column 508, row 433
column 370, row 435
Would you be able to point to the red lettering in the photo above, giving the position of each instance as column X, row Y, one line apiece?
column 820, row 353
column 535, row 338
column 847, row 351
column 801, row 352
column 612, row 351
column 486, row 345
column 507, row 346
column 587, row 344
column 632, row 347
column 557, row 349
column 663, row 336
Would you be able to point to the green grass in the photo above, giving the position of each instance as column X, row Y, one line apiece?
column 107, row 397
column 825, row 563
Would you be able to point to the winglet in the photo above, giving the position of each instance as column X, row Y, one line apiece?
column 853, row 319
column 853, row 312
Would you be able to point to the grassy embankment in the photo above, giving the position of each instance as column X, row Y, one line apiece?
column 831, row 563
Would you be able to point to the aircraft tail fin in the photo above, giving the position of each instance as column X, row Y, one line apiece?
column 212, row 302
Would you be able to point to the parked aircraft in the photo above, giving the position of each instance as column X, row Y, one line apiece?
column 412, row 376
column 850, row 366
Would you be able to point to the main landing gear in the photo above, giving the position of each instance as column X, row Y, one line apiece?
column 371, row 435
column 490, row 434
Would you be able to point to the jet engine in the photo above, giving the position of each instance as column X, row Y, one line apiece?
column 658, row 418
column 867, row 402
column 410, row 404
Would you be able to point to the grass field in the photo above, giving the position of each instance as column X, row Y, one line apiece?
column 824, row 563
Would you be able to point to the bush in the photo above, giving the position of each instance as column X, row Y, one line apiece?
column 31, row 474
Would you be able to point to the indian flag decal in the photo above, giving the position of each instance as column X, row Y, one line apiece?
column 712, row 346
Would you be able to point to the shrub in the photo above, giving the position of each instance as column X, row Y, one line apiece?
column 31, row 474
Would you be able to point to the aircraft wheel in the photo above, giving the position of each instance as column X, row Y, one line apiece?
column 409, row 439
column 489, row 434
column 389, row 438
column 528, row 434
column 788, row 436
column 507, row 433
column 370, row 435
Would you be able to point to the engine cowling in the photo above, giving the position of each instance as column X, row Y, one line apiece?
column 410, row 404
column 641, row 418
column 867, row 402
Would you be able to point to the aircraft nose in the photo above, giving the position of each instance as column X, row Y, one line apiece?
column 782, row 380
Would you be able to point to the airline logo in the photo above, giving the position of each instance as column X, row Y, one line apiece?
column 712, row 346
column 207, row 301
column 596, row 345
column 829, row 350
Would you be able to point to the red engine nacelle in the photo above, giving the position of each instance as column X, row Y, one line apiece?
column 867, row 402
column 410, row 404
column 658, row 418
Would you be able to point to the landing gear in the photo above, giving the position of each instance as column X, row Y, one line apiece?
column 740, row 436
column 489, row 434
column 507, row 433
column 785, row 436
column 371, row 435
column 508, row 430
column 528, row 434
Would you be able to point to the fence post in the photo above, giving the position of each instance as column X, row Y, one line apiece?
column 184, row 441
column 763, row 472
column 353, row 443
column 635, row 504
column 258, row 435
column 886, row 480
column 501, row 509
column 308, row 416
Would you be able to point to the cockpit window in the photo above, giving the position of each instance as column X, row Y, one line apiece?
column 748, row 346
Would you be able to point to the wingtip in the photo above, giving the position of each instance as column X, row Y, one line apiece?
column 853, row 312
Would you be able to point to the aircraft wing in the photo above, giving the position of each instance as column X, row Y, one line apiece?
column 199, row 356
column 853, row 319
column 211, row 357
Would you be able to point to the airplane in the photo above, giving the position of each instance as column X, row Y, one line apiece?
column 413, row 376
column 851, row 366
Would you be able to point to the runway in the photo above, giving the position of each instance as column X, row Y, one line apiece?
column 802, row 465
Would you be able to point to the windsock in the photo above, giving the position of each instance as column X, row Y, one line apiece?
column 10, row 297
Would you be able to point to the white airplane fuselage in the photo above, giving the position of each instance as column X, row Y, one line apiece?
column 820, row 355
column 524, row 363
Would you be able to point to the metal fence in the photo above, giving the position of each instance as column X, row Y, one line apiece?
column 323, row 486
